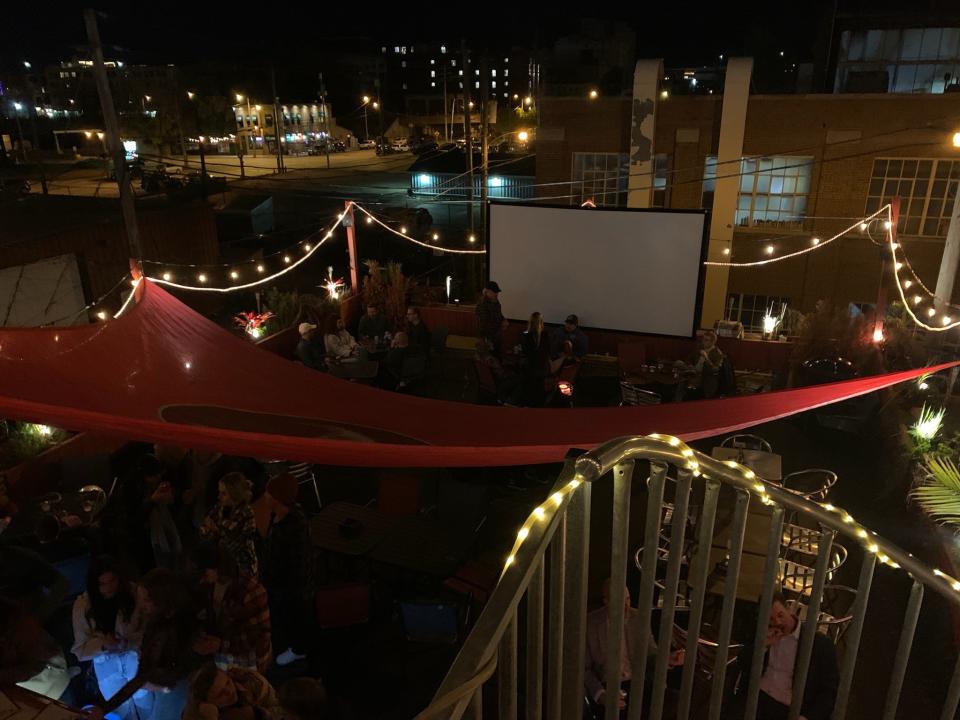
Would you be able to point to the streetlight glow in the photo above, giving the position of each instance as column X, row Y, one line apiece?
column 366, row 99
column 528, row 100
column 17, row 106
column 376, row 105
column 239, row 97
column 594, row 94
column 956, row 139
column 523, row 136
column 190, row 95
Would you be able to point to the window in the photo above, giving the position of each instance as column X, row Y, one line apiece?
column 433, row 73
column 396, row 48
column 443, row 49
column 506, row 72
column 661, row 163
column 460, row 72
column 898, row 60
column 506, row 60
column 403, row 50
column 403, row 63
column 773, row 190
column 433, row 84
column 493, row 84
column 926, row 188
column 432, row 61
column 493, row 72
column 453, row 62
column 383, row 49
column 602, row 178
column 477, row 84
column 750, row 309
column 506, row 83
column 709, row 182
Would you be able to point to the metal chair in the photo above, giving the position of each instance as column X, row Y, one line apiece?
column 305, row 475
column 634, row 396
column 797, row 578
column 835, row 615
column 707, row 660
column 813, row 484
column 745, row 441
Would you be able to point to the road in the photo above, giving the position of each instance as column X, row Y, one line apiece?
column 351, row 169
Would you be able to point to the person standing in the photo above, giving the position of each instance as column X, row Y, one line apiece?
column 231, row 522
column 490, row 320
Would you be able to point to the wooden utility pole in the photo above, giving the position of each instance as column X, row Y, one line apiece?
column 326, row 118
column 467, row 133
column 351, row 225
column 114, row 146
column 277, row 119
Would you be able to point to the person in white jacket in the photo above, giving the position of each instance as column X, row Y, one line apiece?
column 107, row 629
column 339, row 343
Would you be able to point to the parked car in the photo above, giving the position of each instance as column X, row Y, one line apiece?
column 385, row 147
column 423, row 146
column 367, row 144
column 401, row 145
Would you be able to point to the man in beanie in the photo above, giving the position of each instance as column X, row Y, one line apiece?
column 490, row 321
column 285, row 543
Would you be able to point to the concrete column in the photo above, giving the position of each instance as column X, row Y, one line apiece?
column 646, row 83
column 950, row 259
column 733, row 120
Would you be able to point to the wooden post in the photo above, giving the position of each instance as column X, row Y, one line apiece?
column 351, row 226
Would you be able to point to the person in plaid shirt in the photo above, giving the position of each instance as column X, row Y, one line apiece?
column 237, row 611
column 231, row 522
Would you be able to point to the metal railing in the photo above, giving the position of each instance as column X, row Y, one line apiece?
column 546, row 576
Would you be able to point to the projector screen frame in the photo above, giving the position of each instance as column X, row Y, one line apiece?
column 701, row 271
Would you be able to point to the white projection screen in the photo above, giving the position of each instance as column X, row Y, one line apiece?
column 628, row 270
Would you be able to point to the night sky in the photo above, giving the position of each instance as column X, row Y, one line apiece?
column 688, row 34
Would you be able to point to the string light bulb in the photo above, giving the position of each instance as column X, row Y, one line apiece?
column 898, row 266
column 472, row 238
column 286, row 258
column 887, row 224
column 726, row 251
column 436, row 236
column 166, row 276
column 202, row 278
column 403, row 229
column 907, row 283
column 307, row 247
column 769, row 249
column 234, row 274
column 369, row 220
column 102, row 315
column 260, row 268
column 863, row 227
column 917, row 299
column 931, row 312
column 815, row 241
column 946, row 320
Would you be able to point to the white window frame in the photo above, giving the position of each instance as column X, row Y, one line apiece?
column 926, row 188
column 605, row 183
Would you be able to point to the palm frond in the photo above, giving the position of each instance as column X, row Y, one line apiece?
column 938, row 493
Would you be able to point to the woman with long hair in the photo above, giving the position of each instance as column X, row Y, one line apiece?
column 107, row 629
column 337, row 341
column 231, row 522
column 536, row 362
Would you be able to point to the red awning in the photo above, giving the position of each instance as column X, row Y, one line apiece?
column 163, row 373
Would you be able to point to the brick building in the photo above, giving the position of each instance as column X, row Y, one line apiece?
column 801, row 167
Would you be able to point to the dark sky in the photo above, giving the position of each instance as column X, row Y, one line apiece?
column 160, row 32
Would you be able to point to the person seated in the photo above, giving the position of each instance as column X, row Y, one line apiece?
column 237, row 613
column 108, row 624
column 779, row 666
column 569, row 333
column 310, row 349
column 303, row 698
column 391, row 369
column 703, row 370
column 596, row 660
column 417, row 332
column 232, row 694
column 339, row 344
column 373, row 325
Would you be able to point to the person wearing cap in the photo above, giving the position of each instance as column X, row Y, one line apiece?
column 490, row 320
column 569, row 340
column 310, row 349
column 283, row 547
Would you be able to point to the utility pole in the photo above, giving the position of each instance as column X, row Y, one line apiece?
column 326, row 117
column 276, row 118
column 113, row 142
column 484, row 141
column 446, row 128
column 179, row 119
column 203, row 170
column 467, row 134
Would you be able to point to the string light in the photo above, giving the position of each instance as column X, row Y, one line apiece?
column 402, row 233
column 436, row 236
column 726, row 251
column 286, row 258
column 810, row 248
column 234, row 274
column 863, row 227
column 472, row 238
column 102, row 314
column 887, row 224
column 369, row 220
column 202, row 278
column 306, row 247
column 166, row 276
column 769, row 249
column 815, row 241
column 403, row 229
column 907, row 283
column 260, row 268
column 931, row 312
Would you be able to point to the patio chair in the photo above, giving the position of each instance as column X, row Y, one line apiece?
column 745, row 441
column 797, row 577
column 835, row 615
column 707, row 658
column 631, row 395
column 305, row 475
column 813, row 484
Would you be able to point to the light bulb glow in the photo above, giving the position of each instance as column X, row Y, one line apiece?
column 166, row 276
column 234, row 274
column 907, row 284
column 863, row 227
column 946, row 320
column 202, row 278
column 286, row 258
column 769, row 249
column 102, row 315
column 403, row 229
column 307, row 247
column 436, row 236
column 369, row 220
column 726, row 251
column 917, row 299
column 931, row 312
column 540, row 513
column 522, row 535
column 472, row 238
column 260, row 268
column 887, row 224
column 815, row 241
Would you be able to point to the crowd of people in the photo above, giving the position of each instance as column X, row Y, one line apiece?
column 208, row 587
column 776, row 678
column 390, row 358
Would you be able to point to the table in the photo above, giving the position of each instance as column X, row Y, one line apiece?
column 37, row 707
column 637, row 377
column 326, row 534
column 424, row 545
column 354, row 369
column 766, row 465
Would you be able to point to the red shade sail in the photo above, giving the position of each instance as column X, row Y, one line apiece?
column 163, row 373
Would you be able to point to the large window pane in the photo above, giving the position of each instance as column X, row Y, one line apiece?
column 777, row 193
column 910, row 47
column 873, row 47
column 930, row 45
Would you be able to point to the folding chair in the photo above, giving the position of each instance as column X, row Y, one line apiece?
column 305, row 475
column 633, row 396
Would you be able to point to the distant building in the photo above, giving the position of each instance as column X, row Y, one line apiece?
column 510, row 177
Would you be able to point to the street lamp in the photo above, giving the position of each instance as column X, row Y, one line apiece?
column 191, row 95
column 594, row 94
column 956, row 139
column 523, row 136
column 23, row 148
column 376, row 105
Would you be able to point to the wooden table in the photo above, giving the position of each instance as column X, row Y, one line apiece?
column 326, row 533
column 766, row 465
column 37, row 707
column 354, row 369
